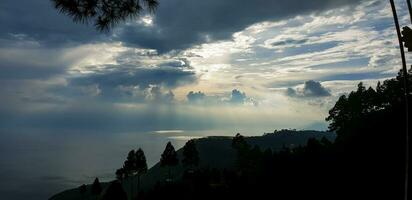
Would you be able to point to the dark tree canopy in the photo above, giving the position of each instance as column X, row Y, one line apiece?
column 190, row 154
column 134, row 164
column 169, row 156
column 120, row 174
column 407, row 37
column 129, row 165
column 239, row 142
column 349, row 111
column 141, row 164
column 103, row 13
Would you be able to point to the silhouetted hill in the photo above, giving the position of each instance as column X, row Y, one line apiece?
column 214, row 152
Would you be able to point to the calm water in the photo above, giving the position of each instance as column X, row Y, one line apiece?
column 37, row 165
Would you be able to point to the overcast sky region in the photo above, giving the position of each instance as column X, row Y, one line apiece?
column 193, row 68
column 192, row 65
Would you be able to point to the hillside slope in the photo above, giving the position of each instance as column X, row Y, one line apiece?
column 214, row 152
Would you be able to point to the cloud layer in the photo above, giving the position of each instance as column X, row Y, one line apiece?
column 310, row 89
column 180, row 24
column 230, row 54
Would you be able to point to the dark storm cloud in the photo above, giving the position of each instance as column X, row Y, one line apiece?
column 32, row 63
column 310, row 89
column 39, row 21
column 143, row 77
column 313, row 88
column 180, row 24
column 129, row 82
column 27, row 71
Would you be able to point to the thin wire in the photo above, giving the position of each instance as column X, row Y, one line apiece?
column 405, row 82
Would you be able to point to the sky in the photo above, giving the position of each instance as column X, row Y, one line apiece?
column 194, row 68
column 236, row 65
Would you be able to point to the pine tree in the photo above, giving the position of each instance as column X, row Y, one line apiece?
column 141, row 165
column 120, row 174
column 104, row 14
column 169, row 159
column 130, row 169
column 190, row 154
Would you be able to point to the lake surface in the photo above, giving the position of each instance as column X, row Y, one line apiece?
column 37, row 165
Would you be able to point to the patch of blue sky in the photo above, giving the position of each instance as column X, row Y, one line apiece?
column 352, row 63
column 308, row 48
column 356, row 76
column 377, row 25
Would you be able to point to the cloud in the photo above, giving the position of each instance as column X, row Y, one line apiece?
column 177, row 24
column 32, row 63
column 234, row 97
column 237, row 97
column 310, row 89
column 136, row 82
column 195, row 97
column 314, row 89
column 181, row 24
column 155, row 94
column 37, row 20
column 135, row 75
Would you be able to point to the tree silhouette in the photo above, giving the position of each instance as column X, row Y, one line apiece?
column 130, row 169
column 120, row 174
column 169, row 159
column 96, row 188
column 134, row 165
column 242, row 152
column 190, row 154
column 141, row 166
column 407, row 37
column 239, row 142
column 103, row 13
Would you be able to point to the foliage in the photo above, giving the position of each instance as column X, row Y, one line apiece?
column 349, row 111
column 169, row 159
column 135, row 164
column 407, row 37
column 169, row 156
column 103, row 13
column 190, row 154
